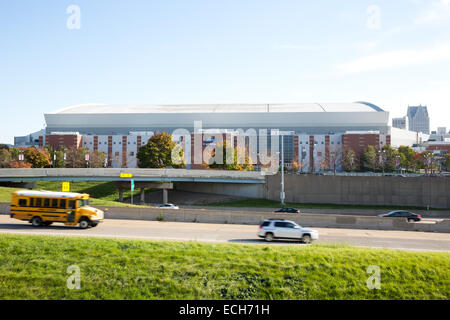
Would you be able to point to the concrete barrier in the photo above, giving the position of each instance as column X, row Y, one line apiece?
column 255, row 218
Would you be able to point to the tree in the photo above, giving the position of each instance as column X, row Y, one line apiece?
column 390, row 156
column 160, row 152
column 349, row 160
column 418, row 162
column 97, row 159
column 16, row 164
column 5, row 158
column 227, row 151
column 3, row 146
column 407, row 157
column 38, row 158
column 76, row 158
column 447, row 161
column 369, row 159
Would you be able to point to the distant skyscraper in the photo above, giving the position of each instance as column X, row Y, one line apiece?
column 401, row 123
column 418, row 119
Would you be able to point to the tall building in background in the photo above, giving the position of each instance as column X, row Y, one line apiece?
column 401, row 123
column 418, row 119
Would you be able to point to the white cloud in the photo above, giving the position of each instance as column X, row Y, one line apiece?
column 437, row 12
column 393, row 59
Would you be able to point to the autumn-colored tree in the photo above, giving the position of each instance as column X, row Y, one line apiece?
column 5, row 158
column 418, row 162
column 161, row 152
column 38, row 158
column 16, row 164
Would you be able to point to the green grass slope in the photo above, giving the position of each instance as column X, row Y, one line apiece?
column 35, row 267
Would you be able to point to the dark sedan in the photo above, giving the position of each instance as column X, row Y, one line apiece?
column 288, row 210
column 402, row 214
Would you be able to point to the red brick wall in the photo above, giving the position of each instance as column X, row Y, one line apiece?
column 359, row 142
column 96, row 143
column 110, row 155
column 445, row 147
column 311, row 152
column 124, row 151
column 57, row 141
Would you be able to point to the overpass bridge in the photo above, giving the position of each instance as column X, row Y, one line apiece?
column 237, row 183
column 138, row 175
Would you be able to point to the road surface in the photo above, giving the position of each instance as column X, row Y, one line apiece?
column 154, row 230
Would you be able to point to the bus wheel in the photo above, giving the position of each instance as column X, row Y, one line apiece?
column 36, row 222
column 84, row 223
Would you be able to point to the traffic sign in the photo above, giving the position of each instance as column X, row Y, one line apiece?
column 126, row 175
column 132, row 185
column 66, row 186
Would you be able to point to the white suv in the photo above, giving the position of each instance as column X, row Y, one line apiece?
column 284, row 229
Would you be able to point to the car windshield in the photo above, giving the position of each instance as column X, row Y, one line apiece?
column 83, row 203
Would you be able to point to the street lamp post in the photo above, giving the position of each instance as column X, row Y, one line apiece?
column 282, row 195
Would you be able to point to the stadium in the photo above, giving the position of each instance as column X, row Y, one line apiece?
column 313, row 132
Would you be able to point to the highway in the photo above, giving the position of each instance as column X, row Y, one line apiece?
column 154, row 230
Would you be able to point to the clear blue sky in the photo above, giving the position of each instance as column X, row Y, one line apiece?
column 228, row 51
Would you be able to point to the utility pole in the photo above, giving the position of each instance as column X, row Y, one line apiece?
column 282, row 172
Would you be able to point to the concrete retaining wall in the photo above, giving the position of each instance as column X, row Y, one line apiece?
column 257, row 191
column 367, row 190
column 441, row 214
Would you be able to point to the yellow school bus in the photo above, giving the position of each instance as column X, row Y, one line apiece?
column 42, row 208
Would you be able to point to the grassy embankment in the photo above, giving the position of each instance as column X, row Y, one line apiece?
column 35, row 267
column 102, row 193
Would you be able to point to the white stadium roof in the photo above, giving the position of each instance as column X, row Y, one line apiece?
column 100, row 119
column 219, row 108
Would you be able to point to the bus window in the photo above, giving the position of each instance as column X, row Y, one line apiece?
column 38, row 202
column 62, row 203
column 72, row 204
column 54, row 203
column 32, row 200
column 22, row 202
column 46, row 203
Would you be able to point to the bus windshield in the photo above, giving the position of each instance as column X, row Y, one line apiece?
column 83, row 203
